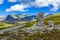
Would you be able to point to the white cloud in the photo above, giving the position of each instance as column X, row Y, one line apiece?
column 43, row 3
column 12, row 0
column 36, row 3
column 17, row 7
column 40, row 3
column 1, row 1
column 56, row 4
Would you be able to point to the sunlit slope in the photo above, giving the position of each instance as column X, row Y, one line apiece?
column 7, row 25
column 4, row 25
column 55, row 18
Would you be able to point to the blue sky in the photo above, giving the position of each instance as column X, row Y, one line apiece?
column 30, row 7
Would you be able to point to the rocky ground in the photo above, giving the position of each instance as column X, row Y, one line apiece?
column 37, row 35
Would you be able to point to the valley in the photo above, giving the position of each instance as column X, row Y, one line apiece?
column 33, row 29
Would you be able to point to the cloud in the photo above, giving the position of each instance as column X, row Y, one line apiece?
column 12, row 0
column 43, row 3
column 18, row 7
column 1, row 1
column 35, row 3
column 40, row 3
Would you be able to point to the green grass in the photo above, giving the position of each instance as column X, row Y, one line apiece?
column 55, row 18
column 29, row 24
column 4, row 25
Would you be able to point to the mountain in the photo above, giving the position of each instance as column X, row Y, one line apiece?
column 29, row 18
column 2, row 18
column 10, row 18
column 14, row 18
column 18, row 17
column 21, row 16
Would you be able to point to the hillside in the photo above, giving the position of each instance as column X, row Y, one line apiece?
column 4, row 25
column 55, row 18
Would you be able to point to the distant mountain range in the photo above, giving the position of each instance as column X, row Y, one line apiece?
column 28, row 18
column 18, row 17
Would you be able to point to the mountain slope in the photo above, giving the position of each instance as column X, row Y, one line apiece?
column 2, row 18
column 29, row 18
column 11, row 17
column 55, row 18
column 18, row 17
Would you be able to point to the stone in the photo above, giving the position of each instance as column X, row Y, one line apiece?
column 58, row 25
column 50, row 25
column 39, row 24
column 40, row 18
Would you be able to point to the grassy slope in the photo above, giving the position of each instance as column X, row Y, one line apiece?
column 6, row 25
column 29, row 24
column 55, row 18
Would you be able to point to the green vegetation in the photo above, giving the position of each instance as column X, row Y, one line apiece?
column 55, row 18
column 4, row 25
column 29, row 24
column 52, row 35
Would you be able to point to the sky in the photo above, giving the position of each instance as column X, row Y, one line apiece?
column 30, row 7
